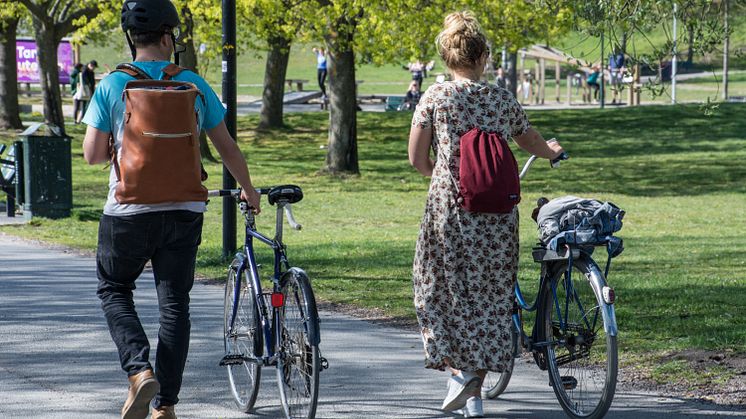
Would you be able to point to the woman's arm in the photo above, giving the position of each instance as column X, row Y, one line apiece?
column 534, row 143
column 419, row 150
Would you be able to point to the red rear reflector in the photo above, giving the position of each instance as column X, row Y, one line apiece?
column 278, row 299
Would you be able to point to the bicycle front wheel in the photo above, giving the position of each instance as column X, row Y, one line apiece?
column 581, row 357
column 298, row 342
column 243, row 339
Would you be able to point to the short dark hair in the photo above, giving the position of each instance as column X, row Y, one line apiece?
column 146, row 39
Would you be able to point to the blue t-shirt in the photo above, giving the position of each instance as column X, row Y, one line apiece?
column 106, row 113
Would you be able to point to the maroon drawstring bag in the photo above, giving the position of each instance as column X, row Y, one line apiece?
column 488, row 173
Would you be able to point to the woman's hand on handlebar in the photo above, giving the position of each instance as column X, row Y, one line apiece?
column 253, row 198
column 556, row 148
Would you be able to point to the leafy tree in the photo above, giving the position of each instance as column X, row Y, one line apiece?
column 275, row 25
column 52, row 20
column 10, row 15
column 380, row 30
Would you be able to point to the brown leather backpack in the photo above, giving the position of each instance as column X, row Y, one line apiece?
column 159, row 157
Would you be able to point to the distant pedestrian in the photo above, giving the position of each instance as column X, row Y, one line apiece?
column 465, row 262
column 153, row 213
column 616, row 75
column 417, row 69
column 75, row 83
column 321, row 70
column 86, row 85
column 500, row 78
column 593, row 81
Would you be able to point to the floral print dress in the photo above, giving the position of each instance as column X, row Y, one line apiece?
column 465, row 263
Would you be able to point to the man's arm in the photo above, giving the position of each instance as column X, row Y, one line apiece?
column 96, row 146
column 235, row 162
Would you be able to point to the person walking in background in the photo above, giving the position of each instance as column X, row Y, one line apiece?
column 321, row 70
column 616, row 75
column 500, row 78
column 74, row 84
column 86, row 87
column 593, row 81
column 417, row 69
column 465, row 262
column 133, row 232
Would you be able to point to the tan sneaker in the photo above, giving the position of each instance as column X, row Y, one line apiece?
column 163, row 412
column 143, row 387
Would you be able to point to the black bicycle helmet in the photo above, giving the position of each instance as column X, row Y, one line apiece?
column 148, row 15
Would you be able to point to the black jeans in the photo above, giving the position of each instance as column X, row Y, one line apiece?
column 321, row 78
column 169, row 240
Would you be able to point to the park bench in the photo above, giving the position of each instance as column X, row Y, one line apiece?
column 298, row 83
column 7, row 178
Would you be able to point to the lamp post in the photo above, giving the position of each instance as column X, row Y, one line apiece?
column 674, row 59
column 229, row 101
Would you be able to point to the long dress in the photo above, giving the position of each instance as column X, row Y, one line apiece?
column 465, row 263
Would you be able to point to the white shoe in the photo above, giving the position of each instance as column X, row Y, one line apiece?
column 460, row 389
column 473, row 408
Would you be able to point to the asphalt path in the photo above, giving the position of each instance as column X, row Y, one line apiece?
column 57, row 359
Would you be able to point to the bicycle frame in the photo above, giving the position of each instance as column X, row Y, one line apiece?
column 248, row 262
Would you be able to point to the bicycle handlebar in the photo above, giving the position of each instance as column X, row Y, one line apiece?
column 236, row 193
column 554, row 163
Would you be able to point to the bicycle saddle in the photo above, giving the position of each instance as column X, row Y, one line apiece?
column 286, row 193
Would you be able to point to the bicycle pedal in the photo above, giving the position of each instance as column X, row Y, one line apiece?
column 232, row 359
column 324, row 364
column 569, row 382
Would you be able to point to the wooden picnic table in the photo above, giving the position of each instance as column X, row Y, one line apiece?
column 298, row 83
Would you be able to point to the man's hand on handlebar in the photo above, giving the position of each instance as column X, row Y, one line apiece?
column 253, row 198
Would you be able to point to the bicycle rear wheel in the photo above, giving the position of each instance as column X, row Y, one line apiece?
column 245, row 340
column 299, row 359
column 582, row 357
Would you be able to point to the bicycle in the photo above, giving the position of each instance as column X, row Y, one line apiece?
column 574, row 332
column 278, row 328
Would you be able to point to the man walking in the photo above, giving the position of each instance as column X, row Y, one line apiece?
column 141, row 221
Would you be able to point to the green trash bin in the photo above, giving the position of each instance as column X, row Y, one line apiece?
column 47, row 173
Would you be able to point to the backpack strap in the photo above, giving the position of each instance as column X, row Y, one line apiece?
column 133, row 70
column 172, row 70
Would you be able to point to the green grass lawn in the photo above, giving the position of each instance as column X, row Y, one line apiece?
column 681, row 282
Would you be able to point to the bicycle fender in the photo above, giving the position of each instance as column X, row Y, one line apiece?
column 607, row 310
column 313, row 326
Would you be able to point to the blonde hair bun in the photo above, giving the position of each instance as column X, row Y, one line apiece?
column 461, row 43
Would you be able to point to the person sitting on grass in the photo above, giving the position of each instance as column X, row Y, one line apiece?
column 412, row 97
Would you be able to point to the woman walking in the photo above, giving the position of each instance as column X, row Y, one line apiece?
column 465, row 262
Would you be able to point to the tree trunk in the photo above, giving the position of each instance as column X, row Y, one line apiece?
column 513, row 73
column 46, row 43
column 342, row 152
column 726, row 47
column 188, row 59
column 274, row 82
column 690, row 53
column 9, row 117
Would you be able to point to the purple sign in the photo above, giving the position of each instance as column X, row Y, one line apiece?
column 27, row 63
